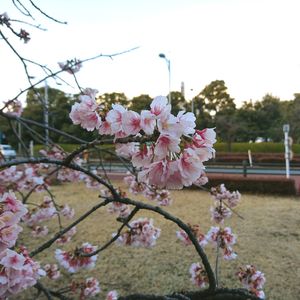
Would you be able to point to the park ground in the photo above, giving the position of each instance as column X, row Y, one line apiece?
column 268, row 236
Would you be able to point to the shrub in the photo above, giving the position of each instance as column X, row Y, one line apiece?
column 261, row 184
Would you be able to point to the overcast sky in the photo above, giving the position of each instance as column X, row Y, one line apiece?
column 253, row 45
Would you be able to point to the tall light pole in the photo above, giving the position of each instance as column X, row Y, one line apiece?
column 162, row 55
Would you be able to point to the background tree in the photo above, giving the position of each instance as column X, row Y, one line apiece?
column 108, row 99
column 269, row 118
column 291, row 111
column 140, row 103
column 178, row 102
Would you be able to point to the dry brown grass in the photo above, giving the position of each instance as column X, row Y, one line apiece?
column 268, row 236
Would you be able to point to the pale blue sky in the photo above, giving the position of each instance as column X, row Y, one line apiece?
column 253, row 45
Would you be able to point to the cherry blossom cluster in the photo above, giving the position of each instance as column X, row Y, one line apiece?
column 112, row 295
column 17, row 272
column 44, row 212
column 14, row 107
column 89, row 288
column 182, row 236
column 224, row 202
column 71, row 66
column 252, row 279
column 141, row 233
column 11, row 212
column 52, row 271
column 198, row 275
column 73, row 261
column 39, row 231
column 220, row 193
column 175, row 159
column 86, row 111
column 121, row 209
column 162, row 196
column 224, row 239
column 67, row 236
column 66, row 174
column 23, row 178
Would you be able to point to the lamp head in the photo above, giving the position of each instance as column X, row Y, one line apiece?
column 162, row 55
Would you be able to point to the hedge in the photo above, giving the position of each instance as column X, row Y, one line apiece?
column 258, row 184
column 256, row 157
column 255, row 147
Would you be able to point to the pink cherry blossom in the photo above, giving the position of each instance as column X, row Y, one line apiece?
column 148, row 122
column 72, row 261
column 12, row 260
column 186, row 122
column 252, row 279
column 158, row 105
column 67, row 212
column 202, row 180
column 168, row 123
column 182, row 235
column 205, row 137
column 156, row 174
column 8, row 236
column 224, row 239
column 39, row 231
column 220, row 193
column 142, row 157
column 125, row 150
column 18, row 272
column 219, row 213
column 112, row 295
column 190, row 166
column 162, row 196
column 165, row 144
column 67, row 236
column 105, row 128
column 14, row 107
column 123, row 210
column 7, row 218
column 90, row 288
column 198, row 275
column 131, row 122
column 52, row 271
column 44, row 212
column 141, row 233
column 114, row 118
column 85, row 113
column 9, row 202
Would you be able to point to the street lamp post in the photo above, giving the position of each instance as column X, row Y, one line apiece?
column 286, row 128
column 162, row 55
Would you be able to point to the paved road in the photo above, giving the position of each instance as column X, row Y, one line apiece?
column 224, row 170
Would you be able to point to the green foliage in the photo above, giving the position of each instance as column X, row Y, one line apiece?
column 256, row 147
column 140, row 103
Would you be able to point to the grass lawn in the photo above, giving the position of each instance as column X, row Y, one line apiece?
column 268, row 237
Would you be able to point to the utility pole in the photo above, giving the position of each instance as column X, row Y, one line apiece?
column 46, row 114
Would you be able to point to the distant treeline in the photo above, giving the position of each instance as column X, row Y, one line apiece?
column 213, row 107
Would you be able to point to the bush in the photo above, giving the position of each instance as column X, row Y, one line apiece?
column 261, row 184
column 256, row 147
